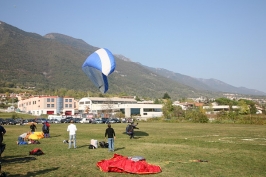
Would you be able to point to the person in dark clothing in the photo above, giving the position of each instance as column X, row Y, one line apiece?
column 33, row 127
column 2, row 146
column 130, row 129
column 48, row 129
column 45, row 130
column 2, row 132
column 110, row 133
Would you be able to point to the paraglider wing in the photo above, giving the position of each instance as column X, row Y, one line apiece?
column 98, row 66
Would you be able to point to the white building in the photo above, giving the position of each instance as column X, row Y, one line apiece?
column 218, row 108
column 128, row 106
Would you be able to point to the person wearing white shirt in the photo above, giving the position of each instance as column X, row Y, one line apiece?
column 72, row 134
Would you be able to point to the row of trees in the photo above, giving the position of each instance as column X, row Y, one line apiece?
column 171, row 111
column 246, row 113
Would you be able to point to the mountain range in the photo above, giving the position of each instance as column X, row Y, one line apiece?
column 54, row 61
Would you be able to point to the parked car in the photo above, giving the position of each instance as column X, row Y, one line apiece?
column 115, row 120
column 53, row 121
column 38, row 120
column 25, row 121
column 11, row 122
column 77, row 120
column 105, row 120
column 112, row 121
column 31, row 120
column 98, row 121
column 3, row 121
column 85, row 121
column 50, row 121
column 63, row 120
column 66, row 120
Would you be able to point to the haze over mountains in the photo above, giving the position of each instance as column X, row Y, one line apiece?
column 54, row 61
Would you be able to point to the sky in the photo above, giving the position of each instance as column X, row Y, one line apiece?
column 219, row 39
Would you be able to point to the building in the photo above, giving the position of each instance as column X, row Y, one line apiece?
column 48, row 105
column 218, row 108
column 106, row 107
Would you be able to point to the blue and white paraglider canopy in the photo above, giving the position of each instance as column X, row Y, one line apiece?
column 98, row 66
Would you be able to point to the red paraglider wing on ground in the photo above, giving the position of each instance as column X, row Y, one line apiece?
column 122, row 164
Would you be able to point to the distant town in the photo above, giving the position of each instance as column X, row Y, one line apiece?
column 126, row 106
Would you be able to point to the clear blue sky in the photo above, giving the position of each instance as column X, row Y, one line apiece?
column 220, row 39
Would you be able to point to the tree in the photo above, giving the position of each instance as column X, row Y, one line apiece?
column 178, row 112
column 225, row 101
column 157, row 101
column 168, row 109
column 71, row 93
column 197, row 115
column 244, row 108
column 166, row 96
column 137, row 98
column 251, row 105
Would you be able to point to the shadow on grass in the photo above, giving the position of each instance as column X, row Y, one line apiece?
column 12, row 159
column 40, row 172
column 55, row 136
column 138, row 133
column 85, row 145
column 117, row 149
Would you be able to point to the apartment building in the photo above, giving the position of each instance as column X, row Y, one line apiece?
column 48, row 105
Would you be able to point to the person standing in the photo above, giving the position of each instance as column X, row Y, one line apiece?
column 44, row 130
column 130, row 130
column 72, row 134
column 2, row 132
column 2, row 145
column 33, row 127
column 110, row 133
column 48, row 129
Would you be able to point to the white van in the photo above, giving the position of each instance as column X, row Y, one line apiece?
column 55, row 117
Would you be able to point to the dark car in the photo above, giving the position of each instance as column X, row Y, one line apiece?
column 25, row 121
column 64, row 120
column 76, row 120
column 31, row 120
column 67, row 120
column 38, row 121
column 105, row 120
column 3, row 121
column 11, row 121
column 116, row 120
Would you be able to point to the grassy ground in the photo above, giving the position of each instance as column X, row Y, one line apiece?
column 230, row 149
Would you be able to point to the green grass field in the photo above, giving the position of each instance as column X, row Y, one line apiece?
column 230, row 149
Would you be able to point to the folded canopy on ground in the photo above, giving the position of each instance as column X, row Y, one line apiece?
column 122, row 164
column 36, row 136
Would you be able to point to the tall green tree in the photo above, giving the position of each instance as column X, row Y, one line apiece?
column 168, row 109
column 225, row 101
column 244, row 108
column 251, row 105
column 178, row 112
column 166, row 96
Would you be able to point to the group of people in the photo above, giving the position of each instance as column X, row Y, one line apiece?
column 45, row 129
column 109, row 134
column 24, row 137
